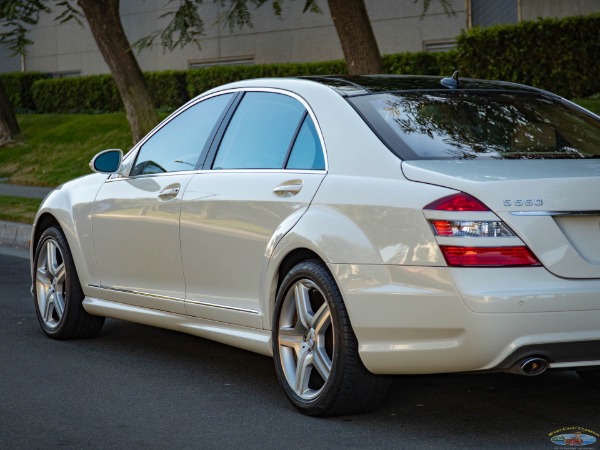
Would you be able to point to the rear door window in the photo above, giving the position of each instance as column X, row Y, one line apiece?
column 270, row 131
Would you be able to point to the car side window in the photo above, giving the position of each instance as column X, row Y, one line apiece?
column 260, row 132
column 307, row 152
column 177, row 146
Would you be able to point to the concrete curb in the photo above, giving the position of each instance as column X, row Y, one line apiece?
column 15, row 234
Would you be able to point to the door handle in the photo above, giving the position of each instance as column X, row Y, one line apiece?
column 289, row 188
column 169, row 193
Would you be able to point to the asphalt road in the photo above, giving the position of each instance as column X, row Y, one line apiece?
column 141, row 387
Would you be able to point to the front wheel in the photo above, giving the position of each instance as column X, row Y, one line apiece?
column 315, row 349
column 57, row 291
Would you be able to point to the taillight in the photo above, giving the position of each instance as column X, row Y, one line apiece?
column 488, row 256
column 470, row 227
column 457, row 202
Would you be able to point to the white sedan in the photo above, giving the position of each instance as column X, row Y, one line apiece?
column 351, row 227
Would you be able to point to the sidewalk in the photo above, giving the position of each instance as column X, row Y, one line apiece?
column 17, row 190
column 14, row 236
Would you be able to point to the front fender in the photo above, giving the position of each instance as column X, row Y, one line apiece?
column 71, row 206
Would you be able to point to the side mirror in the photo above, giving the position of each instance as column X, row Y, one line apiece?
column 107, row 161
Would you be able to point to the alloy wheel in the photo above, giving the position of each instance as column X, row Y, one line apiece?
column 305, row 339
column 50, row 279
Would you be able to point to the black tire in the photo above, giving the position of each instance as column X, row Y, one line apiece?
column 334, row 380
column 591, row 377
column 57, row 292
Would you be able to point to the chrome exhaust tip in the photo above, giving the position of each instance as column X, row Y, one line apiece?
column 532, row 366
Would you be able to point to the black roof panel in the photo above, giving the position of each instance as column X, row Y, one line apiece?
column 351, row 85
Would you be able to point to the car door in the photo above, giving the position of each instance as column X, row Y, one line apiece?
column 266, row 170
column 136, row 217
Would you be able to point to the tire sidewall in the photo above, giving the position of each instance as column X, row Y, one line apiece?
column 56, row 236
column 315, row 272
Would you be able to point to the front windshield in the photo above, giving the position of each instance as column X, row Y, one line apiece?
column 480, row 124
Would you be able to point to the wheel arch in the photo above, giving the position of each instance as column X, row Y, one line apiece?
column 279, row 266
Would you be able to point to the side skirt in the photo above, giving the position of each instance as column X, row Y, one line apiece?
column 254, row 340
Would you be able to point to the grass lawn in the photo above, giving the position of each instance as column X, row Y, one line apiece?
column 18, row 209
column 54, row 148
column 588, row 103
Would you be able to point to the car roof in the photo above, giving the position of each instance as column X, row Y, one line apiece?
column 353, row 85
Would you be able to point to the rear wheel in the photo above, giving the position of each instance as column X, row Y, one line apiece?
column 590, row 377
column 57, row 291
column 315, row 349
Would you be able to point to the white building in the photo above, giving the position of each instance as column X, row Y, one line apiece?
column 399, row 26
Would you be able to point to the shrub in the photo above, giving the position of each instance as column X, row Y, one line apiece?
column 99, row 93
column 200, row 80
column 96, row 93
column 560, row 55
column 168, row 88
column 421, row 63
column 18, row 88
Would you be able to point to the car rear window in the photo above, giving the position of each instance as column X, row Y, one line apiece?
column 473, row 124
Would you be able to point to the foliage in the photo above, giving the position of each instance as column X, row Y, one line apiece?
column 98, row 93
column 15, row 18
column 18, row 87
column 54, row 148
column 186, row 25
column 200, row 80
column 18, row 209
column 559, row 55
column 168, row 88
column 421, row 63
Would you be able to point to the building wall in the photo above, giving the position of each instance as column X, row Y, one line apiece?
column 533, row 9
column 8, row 61
column 398, row 25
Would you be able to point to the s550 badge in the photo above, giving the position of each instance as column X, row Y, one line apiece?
column 536, row 202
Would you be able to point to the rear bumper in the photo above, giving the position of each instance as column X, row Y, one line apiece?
column 416, row 320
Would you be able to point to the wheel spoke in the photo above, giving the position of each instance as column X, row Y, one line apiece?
column 51, row 260
column 43, row 277
column 290, row 337
column 322, row 362
column 322, row 319
column 303, row 370
column 59, row 305
column 60, row 274
column 303, row 308
column 48, row 308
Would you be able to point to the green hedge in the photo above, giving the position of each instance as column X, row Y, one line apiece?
column 560, row 55
column 18, row 88
column 168, row 88
column 421, row 63
column 200, row 80
column 98, row 93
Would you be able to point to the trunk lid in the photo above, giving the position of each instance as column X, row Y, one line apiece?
column 552, row 205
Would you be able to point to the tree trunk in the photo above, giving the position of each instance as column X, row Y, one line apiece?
column 9, row 127
column 105, row 24
column 356, row 36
